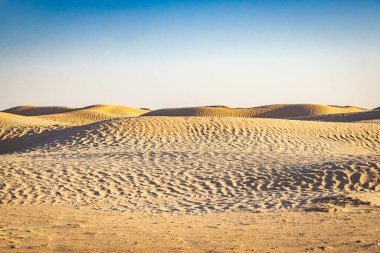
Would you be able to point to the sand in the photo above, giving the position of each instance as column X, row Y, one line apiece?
column 268, row 111
column 219, row 182
column 64, row 229
column 76, row 116
column 30, row 110
column 372, row 116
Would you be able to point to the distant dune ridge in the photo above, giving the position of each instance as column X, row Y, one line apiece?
column 18, row 130
column 14, row 120
column 171, row 160
column 269, row 111
column 83, row 115
column 29, row 110
column 372, row 115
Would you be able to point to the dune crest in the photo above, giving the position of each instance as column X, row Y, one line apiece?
column 93, row 113
column 9, row 120
column 239, row 134
column 18, row 131
column 366, row 116
column 193, row 164
column 269, row 111
column 76, row 116
column 29, row 110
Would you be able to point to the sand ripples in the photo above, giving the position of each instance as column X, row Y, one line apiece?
column 171, row 164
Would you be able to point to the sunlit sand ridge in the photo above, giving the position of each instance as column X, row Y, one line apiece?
column 74, row 116
column 164, row 163
column 269, row 111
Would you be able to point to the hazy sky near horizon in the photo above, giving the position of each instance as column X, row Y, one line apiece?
column 160, row 54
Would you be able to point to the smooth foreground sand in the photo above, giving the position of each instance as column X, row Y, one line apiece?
column 210, row 179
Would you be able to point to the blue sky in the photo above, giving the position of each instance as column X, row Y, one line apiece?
column 182, row 53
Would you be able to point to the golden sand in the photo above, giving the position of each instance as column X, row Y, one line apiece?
column 181, row 183
column 268, row 111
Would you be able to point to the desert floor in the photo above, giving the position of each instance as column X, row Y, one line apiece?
column 281, row 178
column 65, row 229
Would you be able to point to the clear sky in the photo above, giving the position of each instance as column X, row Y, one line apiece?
column 160, row 54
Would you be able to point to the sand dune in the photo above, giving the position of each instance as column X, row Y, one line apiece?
column 14, row 120
column 29, row 110
column 373, row 115
column 76, row 116
column 92, row 114
column 269, row 111
column 20, row 131
column 179, row 133
column 194, row 165
column 99, row 179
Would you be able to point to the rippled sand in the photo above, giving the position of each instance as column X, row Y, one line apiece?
column 242, row 174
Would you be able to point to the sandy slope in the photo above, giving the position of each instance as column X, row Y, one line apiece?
column 268, row 111
column 372, row 115
column 20, row 131
column 78, row 188
column 93, row 113
column 29, row 110
column 216, row 134
column 77, row 116
column 194, row 164
column 8, row 120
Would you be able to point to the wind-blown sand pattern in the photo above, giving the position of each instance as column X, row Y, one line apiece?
column 268, row 111
column 94, row 113
column 29, row 110
column 77, row 116
column 196, row 164
column 190, row 166
column 373, row 115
